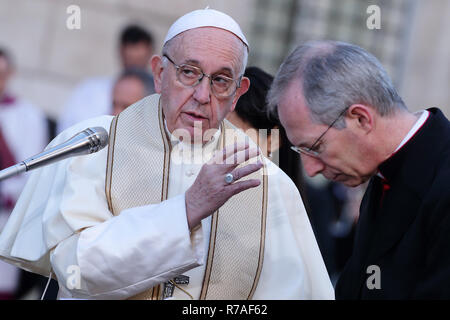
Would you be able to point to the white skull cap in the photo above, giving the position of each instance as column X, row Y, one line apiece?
column 205, row 18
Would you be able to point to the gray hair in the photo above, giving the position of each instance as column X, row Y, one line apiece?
column 334, row 75
column 168, row 49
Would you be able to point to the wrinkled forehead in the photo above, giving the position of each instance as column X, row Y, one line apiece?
column 295, row 116
column 208, row 44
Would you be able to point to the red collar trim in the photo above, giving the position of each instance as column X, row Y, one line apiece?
column 7, row 100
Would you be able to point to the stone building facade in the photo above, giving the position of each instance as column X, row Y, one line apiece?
column 51, row 59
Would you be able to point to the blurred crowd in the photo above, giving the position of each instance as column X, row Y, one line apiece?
column 25, row 130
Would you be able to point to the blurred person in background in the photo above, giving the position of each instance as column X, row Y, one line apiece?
column 93, row 96
column 131, row 86
column 23, row 133
column 250, row 114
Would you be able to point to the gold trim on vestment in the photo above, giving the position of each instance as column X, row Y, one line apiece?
column 167, row 152
column 227, row 267
column 263, row 231
column 213, row 232
column 110, row 161
column 157, row 292
column 233, row 288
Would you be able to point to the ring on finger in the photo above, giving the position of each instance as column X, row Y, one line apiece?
column 229, row 178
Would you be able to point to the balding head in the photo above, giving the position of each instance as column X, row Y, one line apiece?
column 334, row 75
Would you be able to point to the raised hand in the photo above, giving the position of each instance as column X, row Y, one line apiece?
column 211, row 190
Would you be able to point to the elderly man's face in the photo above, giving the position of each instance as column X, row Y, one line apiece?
column 213, row 50
column 343, row 154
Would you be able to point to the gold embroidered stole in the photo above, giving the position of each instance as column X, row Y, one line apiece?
column 138, row 174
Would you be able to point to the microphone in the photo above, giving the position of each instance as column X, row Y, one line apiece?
column 87, row 141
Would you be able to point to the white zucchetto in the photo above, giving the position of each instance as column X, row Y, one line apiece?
column 205, row 18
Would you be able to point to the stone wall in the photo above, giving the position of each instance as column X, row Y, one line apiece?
column 51, row 59
column 426, row 80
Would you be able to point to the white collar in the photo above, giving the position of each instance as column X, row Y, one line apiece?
column 175, row 141
column 424, row 114
column 423, row 117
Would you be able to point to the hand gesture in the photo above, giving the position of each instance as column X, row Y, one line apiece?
column 214, row 184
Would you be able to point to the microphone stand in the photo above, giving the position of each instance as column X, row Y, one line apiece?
column 13, row 170
column 87, row 141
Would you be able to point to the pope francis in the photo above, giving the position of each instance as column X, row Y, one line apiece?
column 181, row 205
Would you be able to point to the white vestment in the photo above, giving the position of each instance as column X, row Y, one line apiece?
column 24, row 129
column 63, row 217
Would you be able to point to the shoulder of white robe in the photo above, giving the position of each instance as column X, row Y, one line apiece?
column 22, row 238
column 285, row 196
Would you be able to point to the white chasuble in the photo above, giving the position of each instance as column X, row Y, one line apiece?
column 235, row 254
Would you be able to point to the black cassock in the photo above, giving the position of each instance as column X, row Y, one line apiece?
column 402, row 243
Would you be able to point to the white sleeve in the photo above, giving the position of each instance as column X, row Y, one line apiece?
column 293, row 267
column 129, row 253
column 64, row 211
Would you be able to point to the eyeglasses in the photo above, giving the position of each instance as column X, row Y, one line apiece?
column 311, row 151
column 221, row 86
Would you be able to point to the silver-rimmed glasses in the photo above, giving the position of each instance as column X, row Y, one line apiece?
column 221, row 85
column 312, row 152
